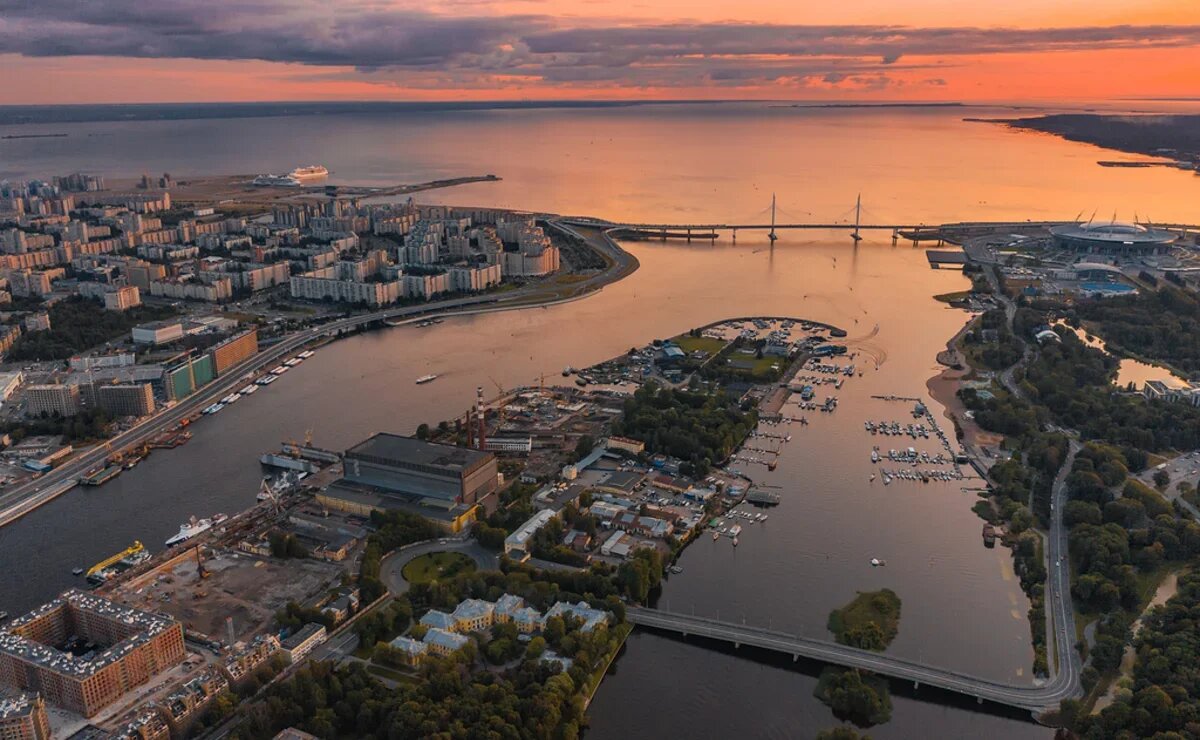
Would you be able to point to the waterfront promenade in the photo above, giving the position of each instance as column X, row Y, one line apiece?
column 1033, row 698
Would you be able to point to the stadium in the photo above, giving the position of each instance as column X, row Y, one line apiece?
column 1113, row 237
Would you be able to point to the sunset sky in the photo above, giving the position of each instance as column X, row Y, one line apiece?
column 73, row 51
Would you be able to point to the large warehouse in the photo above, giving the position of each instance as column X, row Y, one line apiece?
column 1113, row 237
column 441, row 482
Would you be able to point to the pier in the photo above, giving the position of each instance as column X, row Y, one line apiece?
column 1031, row 698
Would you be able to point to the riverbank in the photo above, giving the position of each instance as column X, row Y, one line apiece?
column 20, row 501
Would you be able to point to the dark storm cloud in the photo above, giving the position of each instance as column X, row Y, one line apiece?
column 373, row 35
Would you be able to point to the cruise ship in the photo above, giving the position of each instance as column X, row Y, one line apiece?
column 311, row 172
column 193, row 527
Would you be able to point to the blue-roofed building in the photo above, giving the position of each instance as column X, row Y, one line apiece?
column 414, row 651
column 441, row 642
column 581, row 611
column 527, row 620
column 438, row 619
column 506, row 605
column 473, row 615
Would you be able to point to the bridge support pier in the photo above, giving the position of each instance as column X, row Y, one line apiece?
column 664, row 235
column 795, row 657
column 916, row 685
column 737, row 645
column 689, row 237
column 895, row 236
column 979, row 700
column 735, row 236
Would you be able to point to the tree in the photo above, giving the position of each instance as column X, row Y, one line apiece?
column 423, row 431
column 1161, row 479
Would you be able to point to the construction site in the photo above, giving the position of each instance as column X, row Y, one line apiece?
column 212, row 589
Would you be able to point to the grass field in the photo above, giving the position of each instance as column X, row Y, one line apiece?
column 437, row 565
column 690, row 344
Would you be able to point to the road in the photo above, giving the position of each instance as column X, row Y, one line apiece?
column 22, row 499
column 391, row 570
column 1032, row 698
column 1060, row 610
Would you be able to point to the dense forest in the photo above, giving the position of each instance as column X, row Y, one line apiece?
column 1158, row 325
column 1163, row 698
column 699, row 428
column 79, row 323
column 1122, row 533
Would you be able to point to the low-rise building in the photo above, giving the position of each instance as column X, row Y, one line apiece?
column 158, row 332
column 517, row 545
column 413, row 651
column 473, row 615
column 298, row 645
column 436, row 619
column 442, row 642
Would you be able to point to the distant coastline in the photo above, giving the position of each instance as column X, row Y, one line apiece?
column 873, row 105
column 34, row 136
column 18, row 115
column 1176, row 137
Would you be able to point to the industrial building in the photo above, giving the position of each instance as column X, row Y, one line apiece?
column 158, row 332
column 1113, row 237
column 443, row 483
column 82, row 652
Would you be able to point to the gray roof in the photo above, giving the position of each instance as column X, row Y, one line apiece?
column 396, row 448
column 147, row 624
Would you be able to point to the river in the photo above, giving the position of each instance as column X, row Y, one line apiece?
column 962, row 607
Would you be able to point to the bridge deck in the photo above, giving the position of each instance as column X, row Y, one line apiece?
column 1032, row 698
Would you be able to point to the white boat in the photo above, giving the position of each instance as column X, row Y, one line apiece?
column 293, row 362
column 286, row 181
column 252, row 388
column 193, row 527
column 267, row 380
column 306, row 354
column 876, row 562
column 280, row 370
column 231, row 398
column 426, row 379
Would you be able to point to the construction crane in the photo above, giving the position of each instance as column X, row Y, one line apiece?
column 133, row 549
column 201, row 571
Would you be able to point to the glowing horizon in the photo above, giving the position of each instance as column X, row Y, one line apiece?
column 56, row 51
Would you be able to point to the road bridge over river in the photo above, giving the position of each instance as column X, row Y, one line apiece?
column 1033, row 698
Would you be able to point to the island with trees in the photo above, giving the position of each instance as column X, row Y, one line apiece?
column 870, row 622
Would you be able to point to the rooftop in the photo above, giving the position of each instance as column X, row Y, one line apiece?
column 18, row 705
column 437, row 636
column 147, row 625
column 391, row 448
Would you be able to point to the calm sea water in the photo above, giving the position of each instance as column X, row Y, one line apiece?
column 962, row 606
